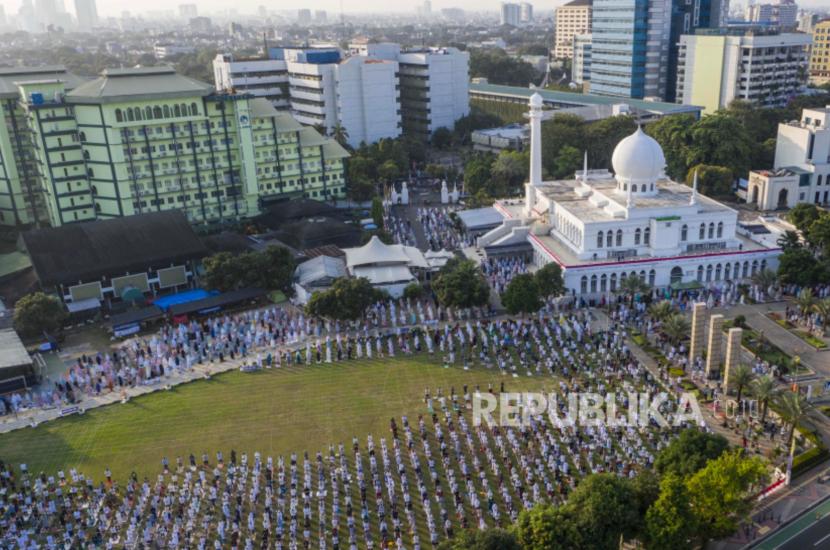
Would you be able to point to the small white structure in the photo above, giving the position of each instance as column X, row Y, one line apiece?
column 317, row 274
column 404, row 194
column 602, row 227
column 445, row 196
column 454, row 195
column 387, row 266
column 802, row 165
column 393, row 194
column 438, row 258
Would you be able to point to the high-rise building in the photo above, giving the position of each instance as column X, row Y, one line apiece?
column 633, row 52
column 303, row 16
column 720, row 65
column 511, row 14
column 320, row 16
column 783, row 14
column 26, row 16
column 525, row 13
column 46, row 12
column 572, row 19
column 148, row 139
column 376, row 92
column 820, row 54
column 186, row 11
column 581, row 66
column 87, row 13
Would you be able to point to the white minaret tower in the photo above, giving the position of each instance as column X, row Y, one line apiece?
column 535, row 116
column 404, row 193
column 445, row 196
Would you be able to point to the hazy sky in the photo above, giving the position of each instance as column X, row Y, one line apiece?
column 115, row 7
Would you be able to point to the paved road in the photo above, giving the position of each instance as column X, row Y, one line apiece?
column 810, row 531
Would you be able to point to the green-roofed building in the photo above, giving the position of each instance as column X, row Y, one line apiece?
column 149, row 139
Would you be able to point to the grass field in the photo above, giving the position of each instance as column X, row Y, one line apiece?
column 275, row 412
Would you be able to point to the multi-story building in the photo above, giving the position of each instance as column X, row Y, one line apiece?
column 510, row 14
column 572, row 19
column 802, row 165
column 303, row 16
column 186, row 11
column 782, row 14
column 820, row 54
column 525, row 13
column 764, row 67
column 265, row 77
column 87, row 14
column 634, row 42
column 435, row 87
column 148, row 139
column 375, row 92
column 581, row 66
column 165, row 50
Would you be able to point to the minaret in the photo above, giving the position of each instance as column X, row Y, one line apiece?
column 693, row 198
column 535, row 116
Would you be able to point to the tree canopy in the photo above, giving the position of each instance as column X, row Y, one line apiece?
column 689, row 452
column 272, row 269
column 460, row 283
column 549, row 280
column 499, row 68
column 522, row 295
column 37, row 313
column 347, row 299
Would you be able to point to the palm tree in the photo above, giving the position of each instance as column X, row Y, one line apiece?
column 340, row 134
column 805, row 301
column 793, row 408
column 765, row 279
column 660, row 311
column 675, row 328
column 764, row 390
column 632, row 285
column 789, row 240
column 822, row 309
column 741, row 377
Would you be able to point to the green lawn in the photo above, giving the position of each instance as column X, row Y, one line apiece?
column 273, row 411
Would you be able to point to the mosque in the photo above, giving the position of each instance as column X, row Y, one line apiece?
column 602, row 227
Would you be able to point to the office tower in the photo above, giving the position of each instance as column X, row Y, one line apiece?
column 303, row 16
column 525, row 13
column 510, row 14
column 581, row 66
column 188, row 11
column 87, row 13
column 572, row 19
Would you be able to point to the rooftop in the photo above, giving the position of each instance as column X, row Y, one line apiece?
column 88, row 250
column 135, row 84
column 579, row 100
column 11, row 77
column 12, row 351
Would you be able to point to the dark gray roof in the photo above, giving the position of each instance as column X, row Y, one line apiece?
column 89, row 250
column 116, row 85
column 11, row 76
column 577, row 3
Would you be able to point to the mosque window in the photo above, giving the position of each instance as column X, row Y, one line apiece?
column 700, row 273
column 652, row 275
column 603, row 283
column 619, row 237
column 599, row 239
column 593, row 283
column 637, row 236
column 718, row 270
column 684, row 232
column 720, row 230
column 727, row 272
column 702, row 233
column 708, row 273
column 583, row 286
column 711, row 230
column 647, row 236
column 609, row 239
column 119, row 116
column 613, row 282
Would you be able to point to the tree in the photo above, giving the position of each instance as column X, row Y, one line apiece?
column 715, row 181
column 476, row 120
column 720, row 140
column 340, row 135
column 413, row 291
column 675, row 328
column 818, row 234
column 441, row 138
column 460, row 283
column 38, row 313
column 602, row 136
column 793, row 408
column 822, row 309
column 521, row 295
column 632, row 286
column 221, row 272
column 799, row 266
column 547, row 527
column 377, row 212
column 764, row 390
column 601, row 507
column 360, row 189
column 499, row 68
column 805, row 301
column 510, row 168
column 802, row 215
column 660, row 311
column 549, row 280
column 741, row 377
column 491, row 539
column 567, row 162
column 719, row 494
column 765, row 278
column 276, row 269
column 690, row 451
column 670, row 522
column 388, row 171
column 789, row 240
column 561, row 131
column 477, row 175
column 673, row 133
column 347, row 299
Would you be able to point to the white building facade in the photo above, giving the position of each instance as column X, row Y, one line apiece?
column 802, row 165
column 601, row 228
column 266, row 78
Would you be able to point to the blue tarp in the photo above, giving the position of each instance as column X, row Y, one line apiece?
column 165, row 302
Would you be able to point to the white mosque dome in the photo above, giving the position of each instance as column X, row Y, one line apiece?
column 638, row 160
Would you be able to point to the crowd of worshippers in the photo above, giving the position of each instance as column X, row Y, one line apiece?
column 429, row 477
column 499, row 271
column 148, row 360
column 440, row 229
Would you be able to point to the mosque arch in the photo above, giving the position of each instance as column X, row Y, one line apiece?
column 684, row 232
column 652, row 276
column 619, row 237
column 603, row 282
column 720, row 230
column 583, row 284
column 700, row 273
column 647, row 236
column 593, row 283
column 599, row 239
column 676, row 275
column 701, row 234
column 637, row 233
column 609, row 239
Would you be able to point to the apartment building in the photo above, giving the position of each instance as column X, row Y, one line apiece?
column 762, row 66
column 572, row 19
column 820, row 54
column 262, row 77
column 147, row 140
